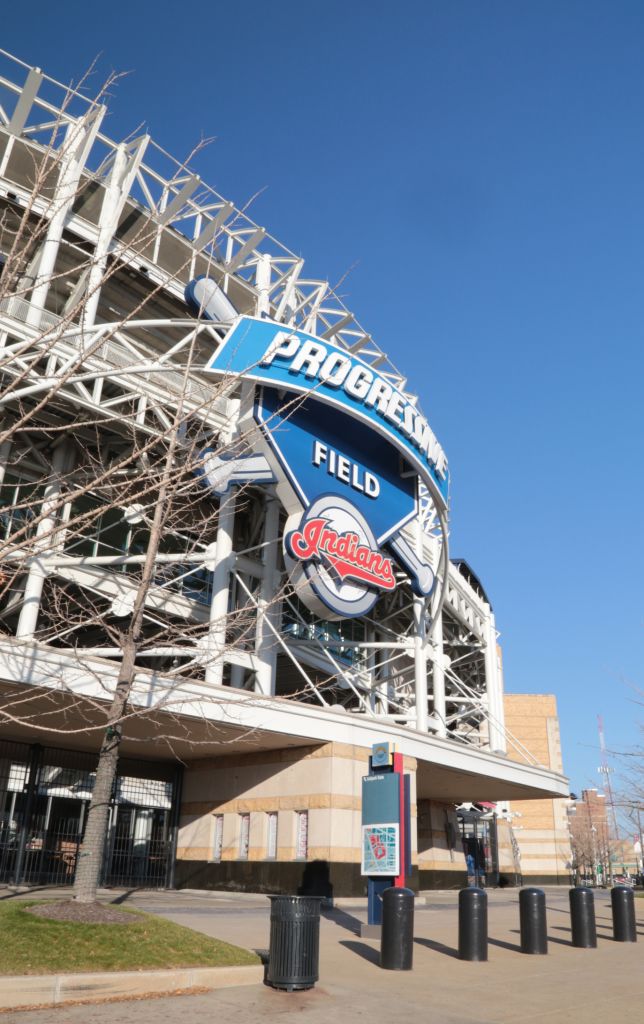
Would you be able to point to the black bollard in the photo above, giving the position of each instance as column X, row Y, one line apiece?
column 472, row 924
column 582, row 917
column 397, row 940
column 532, row 913
column 623, row 904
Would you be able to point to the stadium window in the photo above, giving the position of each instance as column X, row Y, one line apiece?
column 302, row 835
column 271, row 841
column 217, row 836
column 244, row 836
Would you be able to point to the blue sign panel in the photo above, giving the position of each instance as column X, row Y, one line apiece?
column 356, row 495
column 265, row 351
column 380, row 798
column 333, row 454
column 346, row 449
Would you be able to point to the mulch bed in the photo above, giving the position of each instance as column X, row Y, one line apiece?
column 81, row 913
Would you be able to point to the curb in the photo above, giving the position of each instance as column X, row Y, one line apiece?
column 50, row 989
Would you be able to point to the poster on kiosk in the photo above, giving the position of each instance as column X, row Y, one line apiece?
column 386, row 823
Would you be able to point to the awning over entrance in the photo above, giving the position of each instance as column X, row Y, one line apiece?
column 221, row 720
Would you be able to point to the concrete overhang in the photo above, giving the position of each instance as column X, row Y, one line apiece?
column 69, row 699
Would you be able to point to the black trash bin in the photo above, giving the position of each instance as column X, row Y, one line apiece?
column 294, row 952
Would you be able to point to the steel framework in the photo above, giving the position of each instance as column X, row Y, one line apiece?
column 123, row 227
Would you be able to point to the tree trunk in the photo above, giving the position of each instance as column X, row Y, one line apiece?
column 90, row 856
column 92, row 850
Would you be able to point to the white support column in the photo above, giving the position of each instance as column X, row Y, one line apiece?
column 45, row 541
column 420, row 665
column 493, row 688
column 438, row 678
column 25, row 102
column 263, row 283
column 420, row 645
column 127, row 160
column 73, row 154
column 268, row 609
column 220, row 590
column 371, row 663
column 382, row 704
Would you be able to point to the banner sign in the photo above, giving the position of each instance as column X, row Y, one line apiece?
column 346, row 450
column 333, row 454
column 265, row 351
column 347, row 498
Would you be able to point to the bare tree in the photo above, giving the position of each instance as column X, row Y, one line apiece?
column 108, row 538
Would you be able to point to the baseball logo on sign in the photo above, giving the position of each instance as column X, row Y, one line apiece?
column 334, row 556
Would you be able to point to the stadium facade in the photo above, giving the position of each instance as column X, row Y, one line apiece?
column 302, row 605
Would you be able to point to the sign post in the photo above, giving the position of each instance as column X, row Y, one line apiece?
column 385, row 827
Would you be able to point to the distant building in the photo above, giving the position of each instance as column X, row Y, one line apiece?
column 599, row 854
column 539, row 827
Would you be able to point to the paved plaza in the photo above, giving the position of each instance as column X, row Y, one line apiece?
column 602, row 985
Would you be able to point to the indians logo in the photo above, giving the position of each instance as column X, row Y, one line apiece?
column 337, row 558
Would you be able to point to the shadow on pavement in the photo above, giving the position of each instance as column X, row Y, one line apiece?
column 125, row 896
column 27, row 892
column 342, row 919
column 361, row 948
column 438, row 947
column 505, row 945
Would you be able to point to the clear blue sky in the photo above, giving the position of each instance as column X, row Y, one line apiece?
column 480, row 166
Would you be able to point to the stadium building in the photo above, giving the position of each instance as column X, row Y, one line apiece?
column 301, row 607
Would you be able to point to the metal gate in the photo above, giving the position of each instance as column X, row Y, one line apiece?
column 44, row 795
column 478, row 832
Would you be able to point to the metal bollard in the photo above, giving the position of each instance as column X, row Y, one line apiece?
column 582, row 917
column 532, row 913
column 623, row 904
column 472, row 924
column 397, row 941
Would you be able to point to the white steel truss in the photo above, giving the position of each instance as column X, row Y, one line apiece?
column 128, row 372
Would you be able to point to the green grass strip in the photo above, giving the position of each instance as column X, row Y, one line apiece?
column 35, row 945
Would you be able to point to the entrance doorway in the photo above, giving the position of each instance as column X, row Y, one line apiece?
column 478, row 832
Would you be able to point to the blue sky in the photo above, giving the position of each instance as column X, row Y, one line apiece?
column 479, row 170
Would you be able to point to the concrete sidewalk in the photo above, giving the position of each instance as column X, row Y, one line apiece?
column 568, row 985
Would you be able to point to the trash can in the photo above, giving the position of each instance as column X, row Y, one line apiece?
column 294, row 949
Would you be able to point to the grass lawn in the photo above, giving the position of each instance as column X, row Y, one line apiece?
column 35, row 945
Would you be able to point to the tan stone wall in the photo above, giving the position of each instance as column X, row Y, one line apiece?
column 440, row 847
column 324, row 780
column 540, row 826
